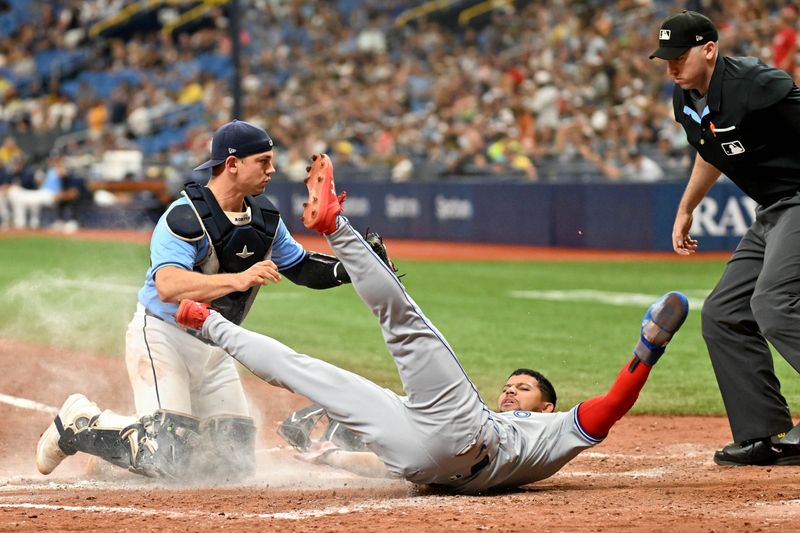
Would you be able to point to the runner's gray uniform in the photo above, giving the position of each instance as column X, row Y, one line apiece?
column 441, row 432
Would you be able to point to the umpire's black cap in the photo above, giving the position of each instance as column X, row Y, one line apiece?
column 237, row 138
column 680, row 32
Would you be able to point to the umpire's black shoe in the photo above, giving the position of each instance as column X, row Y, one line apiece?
column 758, row 452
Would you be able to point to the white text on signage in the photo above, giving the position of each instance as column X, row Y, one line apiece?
column 733, row 219
column 402, row 206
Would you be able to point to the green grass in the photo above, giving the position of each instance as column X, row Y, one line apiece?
column 81, row 295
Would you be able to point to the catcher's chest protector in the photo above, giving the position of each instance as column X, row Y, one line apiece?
column 237, row 248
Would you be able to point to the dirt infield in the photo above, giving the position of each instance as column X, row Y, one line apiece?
column 651, row 474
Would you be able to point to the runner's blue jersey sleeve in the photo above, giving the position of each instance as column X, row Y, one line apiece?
column 168, row 250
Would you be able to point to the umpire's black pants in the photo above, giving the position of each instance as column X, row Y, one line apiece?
column 757, row 299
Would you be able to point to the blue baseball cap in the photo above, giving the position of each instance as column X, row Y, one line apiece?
column 238, row 138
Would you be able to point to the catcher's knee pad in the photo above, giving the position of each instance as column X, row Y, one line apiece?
column 165, row 444
column 229, row 448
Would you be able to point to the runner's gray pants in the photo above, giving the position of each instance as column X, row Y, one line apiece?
column 440, row 429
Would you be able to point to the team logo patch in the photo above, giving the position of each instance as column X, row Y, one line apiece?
column 733, row 148
column 522, row 414
column 663, row 35
column 244, row 254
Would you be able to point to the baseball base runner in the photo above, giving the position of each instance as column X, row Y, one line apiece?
column 441, row 433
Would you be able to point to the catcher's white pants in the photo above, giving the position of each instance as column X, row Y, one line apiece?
column 170, row 369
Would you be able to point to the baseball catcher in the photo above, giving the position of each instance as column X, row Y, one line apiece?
column 220, row 243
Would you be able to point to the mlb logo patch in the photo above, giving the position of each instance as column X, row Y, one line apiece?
column 663, row 35
column 733, row 148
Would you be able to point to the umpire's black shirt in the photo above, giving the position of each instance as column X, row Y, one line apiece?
column 749, row 128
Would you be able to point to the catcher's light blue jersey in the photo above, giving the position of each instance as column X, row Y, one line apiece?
column 166, row 249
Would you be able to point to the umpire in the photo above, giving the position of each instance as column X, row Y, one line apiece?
column 743, row 118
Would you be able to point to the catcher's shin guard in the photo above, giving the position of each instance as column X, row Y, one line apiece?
column 229, row 449
column 108, row 444
column 164, row 445
column 80, row 426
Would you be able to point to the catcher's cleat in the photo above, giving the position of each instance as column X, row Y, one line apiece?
column 192, row 314
column 76, row 414
column 296, row 430
column 758, row 452
column 375, row 242
column 660, row 323
column 319, row 212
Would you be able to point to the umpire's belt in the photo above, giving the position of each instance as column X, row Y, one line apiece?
column 194, row 333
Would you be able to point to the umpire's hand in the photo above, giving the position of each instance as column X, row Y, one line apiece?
column 682, row 242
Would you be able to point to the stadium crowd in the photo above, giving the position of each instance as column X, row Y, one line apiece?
column 521, row 92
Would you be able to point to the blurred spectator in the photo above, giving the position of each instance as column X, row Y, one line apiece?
column 96, row 119
column 68, row 190
column 293, row 165
column 508, row 155
column 346, row 159
column 9, row 151
column 550, row 79
column 5, row 208
column 29, row 194
column 632, row 166
column 61, row 113
column 402, row 168
column 639, row 167
column 674, row 157
column 25, row 197
column 784, row 44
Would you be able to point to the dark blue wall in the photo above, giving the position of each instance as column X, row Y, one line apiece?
column 610, row 216
column 604, row 216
